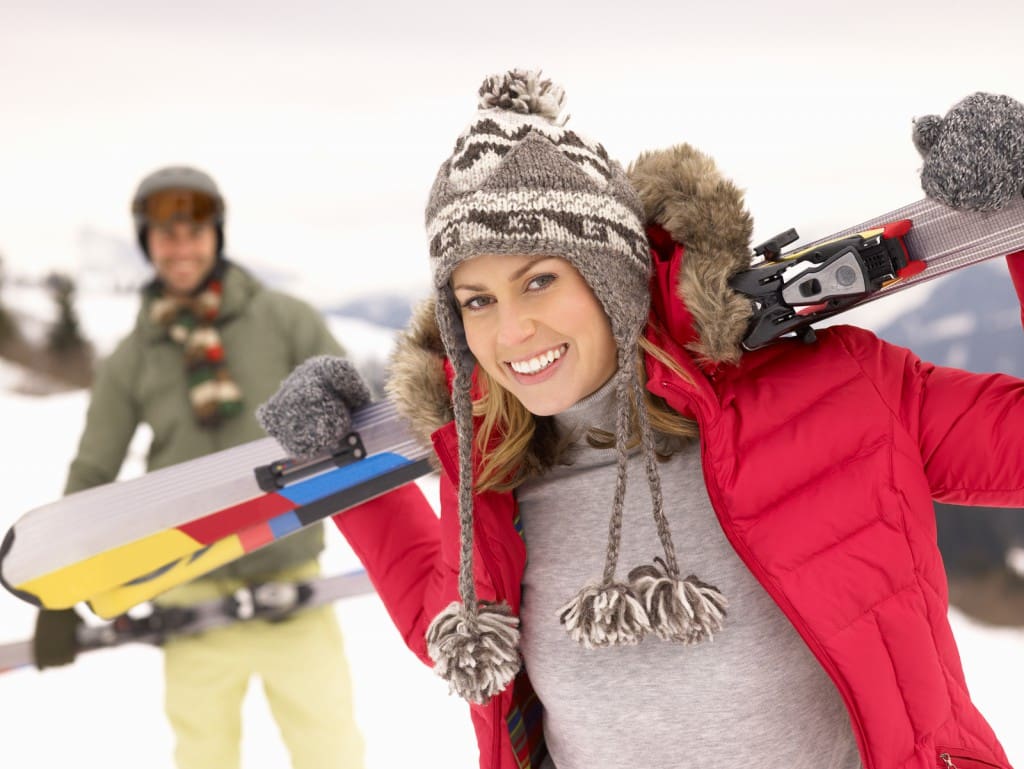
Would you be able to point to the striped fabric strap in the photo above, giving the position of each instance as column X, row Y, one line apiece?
column 526, row 725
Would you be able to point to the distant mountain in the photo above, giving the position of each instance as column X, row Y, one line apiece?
column 970, row 321
column 389, row 310
column 107, row 261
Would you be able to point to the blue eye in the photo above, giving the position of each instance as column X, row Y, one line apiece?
column 476, row 303
column 541, row 282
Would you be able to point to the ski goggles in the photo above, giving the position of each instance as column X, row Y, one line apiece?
column 172, row 205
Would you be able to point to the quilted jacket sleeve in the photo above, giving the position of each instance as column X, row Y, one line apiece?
column 396, row 537
column 969, row 427
column 1016, row 264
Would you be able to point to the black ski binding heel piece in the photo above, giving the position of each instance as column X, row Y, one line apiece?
column 791, row 291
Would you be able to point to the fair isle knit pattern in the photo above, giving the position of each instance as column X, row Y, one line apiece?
column 525, row 184
column 540, row 221
column 190, row 322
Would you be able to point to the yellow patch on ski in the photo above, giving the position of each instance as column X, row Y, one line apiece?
column 65, row 587
column 120, row 599
column 866, row 234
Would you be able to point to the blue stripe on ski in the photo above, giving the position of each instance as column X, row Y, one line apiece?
column 319, row 486
column 284, row 524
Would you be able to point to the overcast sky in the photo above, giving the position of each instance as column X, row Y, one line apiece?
column 324, row 122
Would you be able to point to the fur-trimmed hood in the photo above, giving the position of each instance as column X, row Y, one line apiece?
column 683, row 193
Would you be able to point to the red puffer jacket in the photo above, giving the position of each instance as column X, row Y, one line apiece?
column 821, row 462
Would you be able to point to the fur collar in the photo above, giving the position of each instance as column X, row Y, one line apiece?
column 683, row 192
column 417, row 378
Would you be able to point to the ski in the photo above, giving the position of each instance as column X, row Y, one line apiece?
column 201, row 514
column 272, row 601
column 886, row 254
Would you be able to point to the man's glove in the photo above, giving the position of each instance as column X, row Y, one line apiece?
column 974, row 156
column 54, row 642
column 310, row 413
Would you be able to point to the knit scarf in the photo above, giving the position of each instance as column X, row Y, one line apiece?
column 191, row 322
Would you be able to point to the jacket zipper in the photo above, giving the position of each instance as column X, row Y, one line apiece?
column 780, row 601
column 949, row 760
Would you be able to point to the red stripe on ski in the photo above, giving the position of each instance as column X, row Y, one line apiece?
column 216, row 526
column 255, row 537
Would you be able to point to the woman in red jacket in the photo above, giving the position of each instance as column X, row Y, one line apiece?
column 766, row 588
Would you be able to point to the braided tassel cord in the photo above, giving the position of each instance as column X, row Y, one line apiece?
column 474, row 645
column 610, row 613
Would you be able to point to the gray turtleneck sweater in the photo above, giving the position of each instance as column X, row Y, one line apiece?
column 755, row 696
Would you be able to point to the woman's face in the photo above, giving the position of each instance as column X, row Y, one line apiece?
column 536, row 328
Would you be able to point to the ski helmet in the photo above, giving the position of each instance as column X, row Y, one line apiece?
column 200, row 199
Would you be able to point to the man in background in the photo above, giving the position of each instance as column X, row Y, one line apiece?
column 209, row 345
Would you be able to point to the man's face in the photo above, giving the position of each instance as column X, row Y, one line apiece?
column 183, row 254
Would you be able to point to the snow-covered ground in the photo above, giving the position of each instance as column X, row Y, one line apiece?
column 106, row 710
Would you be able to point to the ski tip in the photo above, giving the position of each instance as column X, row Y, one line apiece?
column 5, row 548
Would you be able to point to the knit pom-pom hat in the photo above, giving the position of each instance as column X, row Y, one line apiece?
column 520, row 183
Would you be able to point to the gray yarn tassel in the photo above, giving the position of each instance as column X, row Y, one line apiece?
column 685, row 610
column 476, row 652
column 475, row 646
column 610, row 613
column 523, row 91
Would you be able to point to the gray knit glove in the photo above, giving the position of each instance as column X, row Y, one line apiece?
column 309, row 415
column 974, row 156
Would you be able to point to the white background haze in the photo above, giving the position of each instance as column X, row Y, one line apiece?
column 324, row 123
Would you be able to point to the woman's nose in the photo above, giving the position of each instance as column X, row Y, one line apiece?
column 514, row 328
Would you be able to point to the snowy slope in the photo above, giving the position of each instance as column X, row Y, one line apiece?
column 105, row 711
column 971, row 321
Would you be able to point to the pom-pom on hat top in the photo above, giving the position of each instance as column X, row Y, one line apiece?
column 519, row 182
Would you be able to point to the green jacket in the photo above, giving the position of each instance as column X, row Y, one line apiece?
column 265, row 335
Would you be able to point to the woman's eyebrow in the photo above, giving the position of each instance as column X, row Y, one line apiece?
column 529, row 266
column 513, row 277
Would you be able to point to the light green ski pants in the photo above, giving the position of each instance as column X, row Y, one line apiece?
column 301, row 662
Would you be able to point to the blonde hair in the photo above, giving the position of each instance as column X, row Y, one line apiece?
column 514, row 445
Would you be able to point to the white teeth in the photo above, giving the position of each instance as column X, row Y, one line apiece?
column 539, row 363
